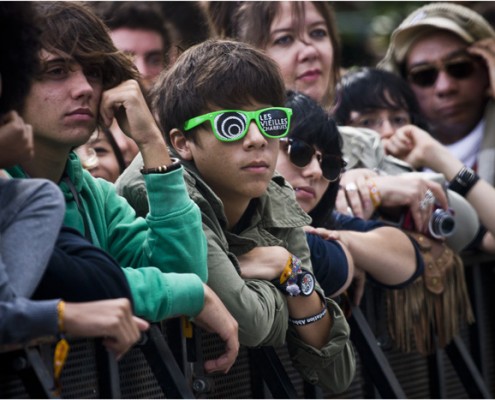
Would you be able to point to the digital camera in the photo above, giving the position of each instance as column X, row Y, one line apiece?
column 441, row 225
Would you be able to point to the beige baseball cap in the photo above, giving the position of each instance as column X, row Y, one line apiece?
column 462, row 21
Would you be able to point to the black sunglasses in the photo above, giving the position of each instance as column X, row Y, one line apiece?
column 301, row 153
column 427, row 75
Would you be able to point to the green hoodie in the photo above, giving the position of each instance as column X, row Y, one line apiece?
column 164, row 256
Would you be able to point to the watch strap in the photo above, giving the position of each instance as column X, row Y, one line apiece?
column 464, row 180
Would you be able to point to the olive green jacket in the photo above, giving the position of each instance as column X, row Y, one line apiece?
column 259, row 308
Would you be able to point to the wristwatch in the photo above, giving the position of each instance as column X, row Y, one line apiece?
column 306, row 282
column 295, row 280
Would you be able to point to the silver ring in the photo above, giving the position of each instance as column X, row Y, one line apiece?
column 351, row 187
column 427, row 201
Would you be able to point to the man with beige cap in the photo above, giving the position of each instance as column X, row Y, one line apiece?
column 447, row 54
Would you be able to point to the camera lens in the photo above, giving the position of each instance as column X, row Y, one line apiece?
column 442, row 224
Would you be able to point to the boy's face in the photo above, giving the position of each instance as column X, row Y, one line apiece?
column 236, row 171
column 146, row 47
column 62, row 105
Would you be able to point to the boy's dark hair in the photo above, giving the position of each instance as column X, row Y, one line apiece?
column 181, row 15
column 72, row 30
column 367, row 89
column 215, row 74
column 146, row 15
column 19, row 48
column 312, row 124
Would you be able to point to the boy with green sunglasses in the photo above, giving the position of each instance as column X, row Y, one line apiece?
column 221, row 105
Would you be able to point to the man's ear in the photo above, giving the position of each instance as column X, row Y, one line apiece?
column 181, row 144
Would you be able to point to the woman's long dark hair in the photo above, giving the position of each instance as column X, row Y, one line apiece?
column 312, row 124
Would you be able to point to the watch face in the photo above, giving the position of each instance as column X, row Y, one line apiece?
column 307, row 283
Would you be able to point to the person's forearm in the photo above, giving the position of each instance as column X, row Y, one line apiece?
column 315, row 334
column 155, row 153
column 482, row 197
column 377, row 252
column 441, row 160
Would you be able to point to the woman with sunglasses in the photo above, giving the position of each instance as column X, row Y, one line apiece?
column 310, row 159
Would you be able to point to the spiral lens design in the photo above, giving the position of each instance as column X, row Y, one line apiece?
column 230, row 126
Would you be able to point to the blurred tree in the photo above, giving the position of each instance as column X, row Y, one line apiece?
column 365, row 26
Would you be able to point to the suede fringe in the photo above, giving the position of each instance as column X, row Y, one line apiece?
column 435, row 304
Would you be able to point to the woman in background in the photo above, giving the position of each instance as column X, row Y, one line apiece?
column 101, row 156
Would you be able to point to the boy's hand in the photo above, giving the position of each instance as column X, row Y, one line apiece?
column 110, row 319
column 263, row 262
column 16, row 140
column 214, row 317
column 127, row 104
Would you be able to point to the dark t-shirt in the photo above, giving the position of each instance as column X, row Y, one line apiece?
column 79, row 271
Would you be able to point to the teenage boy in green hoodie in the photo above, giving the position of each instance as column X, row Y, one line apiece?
column 84, row 80
column 222, row 107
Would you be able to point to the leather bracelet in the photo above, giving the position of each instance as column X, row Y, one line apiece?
column 464, row 180
column 309, row 320
column 162, row 169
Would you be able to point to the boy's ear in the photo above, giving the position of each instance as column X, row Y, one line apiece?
column 181, row 144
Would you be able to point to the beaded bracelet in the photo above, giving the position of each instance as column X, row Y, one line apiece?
column 464, row 180
column 162, row 169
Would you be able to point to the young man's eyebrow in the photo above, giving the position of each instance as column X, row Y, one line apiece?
column 449, row 56
column 57, row 60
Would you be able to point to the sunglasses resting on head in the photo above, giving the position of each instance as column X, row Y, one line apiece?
column 232, row 125
column 301, row 153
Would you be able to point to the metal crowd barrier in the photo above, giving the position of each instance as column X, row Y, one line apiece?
column 167, row 363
